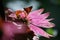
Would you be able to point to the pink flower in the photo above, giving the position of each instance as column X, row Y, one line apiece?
column 35, row 20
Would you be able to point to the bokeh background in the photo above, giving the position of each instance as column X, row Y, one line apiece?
column 52, row 6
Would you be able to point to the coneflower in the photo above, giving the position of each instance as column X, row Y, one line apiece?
column 24, row 21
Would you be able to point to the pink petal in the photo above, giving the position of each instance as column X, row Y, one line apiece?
column 47, row 25
column 35, row 14
column 39, row 31
column 14, row 28
column 10, row 29
column 50, row 19
column 10, row 10
column 13, row 15
column 42, row 23
column 44, row 16
column 7, row 30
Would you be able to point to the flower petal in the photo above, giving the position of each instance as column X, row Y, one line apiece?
column 39, row 31
column 44, row 16
column 50, row 19
column 47, row 25
column 35, row 14
column 7, row 30
column 13, row 15
column 42, row 23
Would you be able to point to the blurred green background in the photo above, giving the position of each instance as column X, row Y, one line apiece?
column 52, row 6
